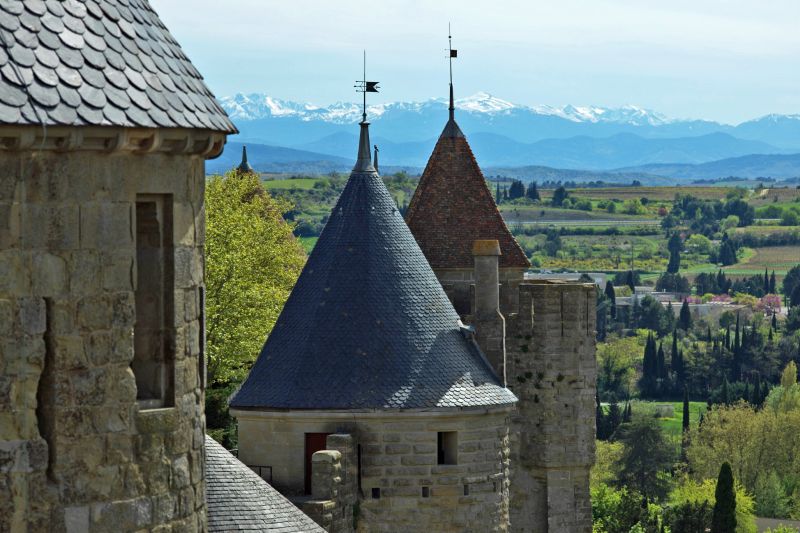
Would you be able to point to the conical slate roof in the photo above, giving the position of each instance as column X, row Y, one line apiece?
column 452, row 207
column 368, row 325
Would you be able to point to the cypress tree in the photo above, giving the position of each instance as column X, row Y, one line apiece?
column 725, row 393
column 614, row 418
column 498, row 195
column 728, row 339
column 755, row 397
column 736, row 342
column 674, row 246
column 627, row 413
column 708, row 334
column 772, row 284
column 766, row 281
column 532, row 193
column 724, row 519
column 774, row 321
column 599, row 419
column 685, row 317
column 612, row 296
column 769, row 337
column 685, row 409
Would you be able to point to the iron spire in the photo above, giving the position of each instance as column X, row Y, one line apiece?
column 451, row 130
column 364, row 161
column 244, row 166
column 452, row 107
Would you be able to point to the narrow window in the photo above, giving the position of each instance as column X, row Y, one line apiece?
column 153, row 330
column 201, row 369
column 447, row 447
column 426, row 492
column 466, row 489
column 45, row 392
column 376, row 493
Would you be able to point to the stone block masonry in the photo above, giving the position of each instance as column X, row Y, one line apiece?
column 551, row 368
column 386, row 474
column 78, row 452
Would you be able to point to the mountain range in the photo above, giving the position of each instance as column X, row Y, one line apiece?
column 504, row 134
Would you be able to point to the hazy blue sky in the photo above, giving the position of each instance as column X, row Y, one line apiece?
column 727, row 60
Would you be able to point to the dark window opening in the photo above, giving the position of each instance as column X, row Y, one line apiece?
column 426, row 492
column 45, row 392
column 466, row 490
column 201, row 369
column 153, row 336
column 447, row 447
column 376, row 493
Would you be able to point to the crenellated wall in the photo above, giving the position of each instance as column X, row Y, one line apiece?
column 78, row 452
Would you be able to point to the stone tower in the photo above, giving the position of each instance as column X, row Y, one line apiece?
column 105, row 128
column 539, row 336
column 369, row 394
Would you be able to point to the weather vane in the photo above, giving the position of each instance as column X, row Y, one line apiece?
column 453, row 52
column 364, row 86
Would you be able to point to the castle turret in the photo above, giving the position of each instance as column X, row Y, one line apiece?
column 451, row 208
column 104, row 128
column 369, row 396
column 244, row 167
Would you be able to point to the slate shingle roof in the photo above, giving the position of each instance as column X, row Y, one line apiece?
column 452, row 207
column 98, row 63
column 239, row 500
column 368, row 325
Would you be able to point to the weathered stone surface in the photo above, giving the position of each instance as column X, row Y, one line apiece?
column 89, row 459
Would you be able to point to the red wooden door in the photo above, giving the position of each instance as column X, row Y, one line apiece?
column 314, row 443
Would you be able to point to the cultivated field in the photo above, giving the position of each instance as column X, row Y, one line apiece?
column 654, row 194
column 770, row 196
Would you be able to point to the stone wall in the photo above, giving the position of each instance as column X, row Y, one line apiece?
column 551, row 368
column 458, row 285
column 334, row 485
column 401, row 487
column 77, row 453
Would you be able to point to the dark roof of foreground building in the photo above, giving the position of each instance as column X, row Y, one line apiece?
column 368, row 325
column 239, row 500
column 452, row 206
column 98, row 63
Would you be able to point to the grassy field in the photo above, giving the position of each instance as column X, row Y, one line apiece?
column 516, row 214
column 770, row 196
column 672, row 426
column 654, row 194
column 299, row 183
column 308, row 243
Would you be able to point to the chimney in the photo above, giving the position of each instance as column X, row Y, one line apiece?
column 490, row 326
column 487, row 278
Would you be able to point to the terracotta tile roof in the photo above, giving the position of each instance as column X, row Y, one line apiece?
column 452, row 207
column 98, row 63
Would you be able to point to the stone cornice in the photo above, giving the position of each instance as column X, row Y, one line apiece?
column 205, row 143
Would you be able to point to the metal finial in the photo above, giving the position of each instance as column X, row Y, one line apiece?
column 364, row 161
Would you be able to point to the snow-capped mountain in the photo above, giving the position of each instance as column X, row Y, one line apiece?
column 509, row 134
column 254, row 106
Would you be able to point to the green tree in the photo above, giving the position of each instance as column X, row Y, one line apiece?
column 771, row 499
column 252, row 263
column 646, row 458
column 532, row 193
column 612, row 298
column 685, row 317
column 559, row 195
column 674, row 246
column 516, row 190
column 724, row 518
column 791, row 280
